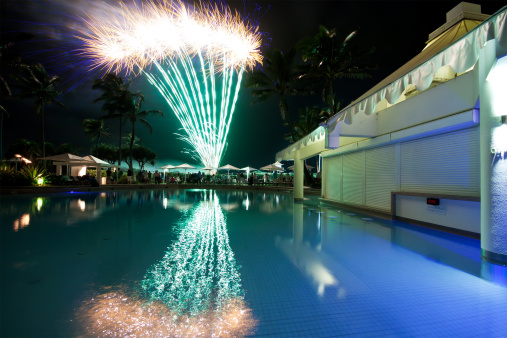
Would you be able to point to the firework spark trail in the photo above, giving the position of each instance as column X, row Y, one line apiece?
column 170, row 36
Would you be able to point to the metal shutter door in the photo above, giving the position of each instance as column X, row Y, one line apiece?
column 353, row 176
column 380, row 177
column 446, row 163
column 333, row 172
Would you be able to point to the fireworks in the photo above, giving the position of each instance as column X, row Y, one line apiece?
column 195, row 57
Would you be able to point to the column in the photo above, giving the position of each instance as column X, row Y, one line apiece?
column 493, row 159
column 299, row 176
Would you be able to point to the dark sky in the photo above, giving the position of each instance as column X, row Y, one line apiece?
column 397, row 29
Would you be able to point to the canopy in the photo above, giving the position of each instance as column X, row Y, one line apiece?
column 69, row 159
column 169, row 166
column 102, row 163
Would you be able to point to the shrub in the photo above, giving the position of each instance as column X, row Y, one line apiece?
column 33, row 173
column 123, row 180
column 11, row 177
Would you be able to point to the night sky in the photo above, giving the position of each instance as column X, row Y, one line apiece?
column 397, row 29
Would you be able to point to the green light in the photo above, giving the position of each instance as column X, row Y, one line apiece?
column 39, row 203
column 192, row 96
column 198, row 273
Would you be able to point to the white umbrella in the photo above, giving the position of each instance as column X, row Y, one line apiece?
column 208, row 168
column 18, row 158
column 248, row 169
column 185, row 167
column 228, row 167
column 271, row 167
column 167, row 167
column 307, row 167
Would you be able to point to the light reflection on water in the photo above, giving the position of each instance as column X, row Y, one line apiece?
column 68, row 272
column 194, row 290
column 84, row 256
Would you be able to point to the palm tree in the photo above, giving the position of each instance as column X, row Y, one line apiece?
column 280, row 77
column 117, row 99
column 67, row 148
column 9, row 61
column 35, row 83
column 5, row 92
column 96, row 129
column 135, row 115
column 331, row 57
column 29, row 149
column 309, row 120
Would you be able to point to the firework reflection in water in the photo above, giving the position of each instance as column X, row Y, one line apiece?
column 194, row 290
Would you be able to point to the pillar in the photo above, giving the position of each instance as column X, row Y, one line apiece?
column 299, row 177
column 493, row 160
column 297, row 226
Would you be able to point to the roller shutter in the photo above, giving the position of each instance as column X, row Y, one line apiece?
column 353, row 177
column 380, row 177
column 333, row 169
column 446, row 163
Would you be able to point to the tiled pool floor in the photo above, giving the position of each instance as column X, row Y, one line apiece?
column 306, row 269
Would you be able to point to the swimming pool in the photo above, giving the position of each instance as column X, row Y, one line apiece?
column 189, row 262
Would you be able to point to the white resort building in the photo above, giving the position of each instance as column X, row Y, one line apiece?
column 428, row 144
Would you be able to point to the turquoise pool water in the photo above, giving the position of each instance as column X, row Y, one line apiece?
column 201, row 262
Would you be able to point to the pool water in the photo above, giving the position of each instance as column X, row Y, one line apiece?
column 234, row 263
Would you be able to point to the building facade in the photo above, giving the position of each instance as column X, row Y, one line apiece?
column 428, row 143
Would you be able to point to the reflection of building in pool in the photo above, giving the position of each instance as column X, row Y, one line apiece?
column 435, row 128
column 193, row 290
column 325, row 272
column 21, row 222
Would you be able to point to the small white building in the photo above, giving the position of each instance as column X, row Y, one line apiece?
column 427, row 144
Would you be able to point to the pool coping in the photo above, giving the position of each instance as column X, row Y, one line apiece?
column 149, row 186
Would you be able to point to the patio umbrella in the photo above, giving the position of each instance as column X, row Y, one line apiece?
column 167, row 167
column 248, row 169
column 184, row 166
column 228, row 167
column 271, row 167
column 18, row 158
column 208, row 168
